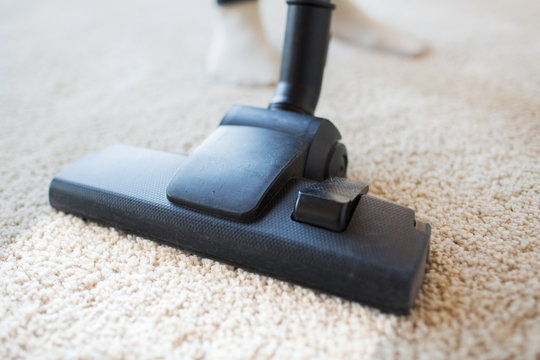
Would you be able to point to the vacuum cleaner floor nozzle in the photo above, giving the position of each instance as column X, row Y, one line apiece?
column 379, row 259
column 266, row 191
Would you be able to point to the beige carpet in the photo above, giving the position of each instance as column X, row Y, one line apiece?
column 455, row 136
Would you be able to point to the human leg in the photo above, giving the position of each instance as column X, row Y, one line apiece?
column 239, row 52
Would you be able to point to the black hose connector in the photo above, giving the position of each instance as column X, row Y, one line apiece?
column 304, row 56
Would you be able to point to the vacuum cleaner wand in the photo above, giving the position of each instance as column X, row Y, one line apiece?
column 307, row 35
column 265, row 191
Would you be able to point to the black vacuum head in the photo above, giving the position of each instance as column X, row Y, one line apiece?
column 378, row 259
column 327, row 234
column 266, row 191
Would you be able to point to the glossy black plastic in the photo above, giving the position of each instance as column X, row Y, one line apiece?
column 250, row 157
column 330, row 203
column 304, row 56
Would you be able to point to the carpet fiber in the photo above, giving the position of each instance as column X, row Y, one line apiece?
column 454, row 135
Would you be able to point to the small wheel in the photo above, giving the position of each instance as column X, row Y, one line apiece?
column 337, row 161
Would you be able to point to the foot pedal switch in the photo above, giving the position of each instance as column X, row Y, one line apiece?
column 329, row 204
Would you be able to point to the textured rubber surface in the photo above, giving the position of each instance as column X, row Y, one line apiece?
column 378, row 260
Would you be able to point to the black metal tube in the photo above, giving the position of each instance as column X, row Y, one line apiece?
column 304, row 56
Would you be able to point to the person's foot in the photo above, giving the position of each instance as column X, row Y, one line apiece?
column 239, row 52
column 352, row 25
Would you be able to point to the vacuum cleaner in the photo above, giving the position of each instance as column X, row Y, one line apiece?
column 266, row 191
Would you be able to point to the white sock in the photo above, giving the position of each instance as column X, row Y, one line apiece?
column 352, row 25
column 239, row 52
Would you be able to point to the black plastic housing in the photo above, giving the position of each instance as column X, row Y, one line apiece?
column 250, row 157
column 304, row 56
column 379, row 259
